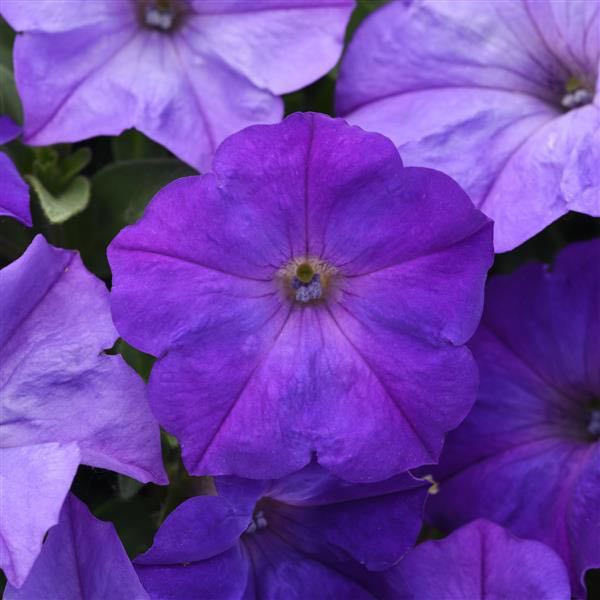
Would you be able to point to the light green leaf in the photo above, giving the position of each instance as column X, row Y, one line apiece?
column 73, row 163
column 72, row 200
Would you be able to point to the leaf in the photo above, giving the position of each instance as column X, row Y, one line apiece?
column 133, row 145
column 124, row 189
column 63, row 206
column 10, row 104
column 73, row 163
column 120, row 193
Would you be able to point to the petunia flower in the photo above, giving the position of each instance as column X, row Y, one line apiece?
column 310, row 295
column 308, row 535
column 502, row 96
column 62, row 401
column 187, row 73
column 81, row 558
column 528, row 455
column 480, row 561
column 14, row 193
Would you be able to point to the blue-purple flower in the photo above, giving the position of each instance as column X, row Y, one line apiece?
column 14, row 194
column 82, row 558
column 528, row 455
column 309, row 296
column 480, row 560
column 63, row 401
column 501, row 95
column 308, row 535
column 187, row 73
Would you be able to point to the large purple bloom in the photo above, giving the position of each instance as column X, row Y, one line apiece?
column 82, row 559
column 309, row 535
column 480, row 561
column 14, row 194
column 499, row 95
column 63, row 402
column 187, row 73
column 528, row 455
column 310, row 295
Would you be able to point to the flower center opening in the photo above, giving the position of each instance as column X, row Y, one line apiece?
column 576, row 94
column 160, row 15
column 306, row 280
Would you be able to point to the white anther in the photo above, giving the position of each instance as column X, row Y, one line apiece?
column 158, row 18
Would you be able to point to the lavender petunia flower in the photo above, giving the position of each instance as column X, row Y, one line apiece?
column 528, row 455
column 479, row 561
column 187, row 73
column 63, row 402
column 308, row 535
column 309, row 296
column 14, row 193
column 500, row 95
column 82, row 559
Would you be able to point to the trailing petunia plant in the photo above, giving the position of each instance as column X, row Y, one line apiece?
column 299, row 299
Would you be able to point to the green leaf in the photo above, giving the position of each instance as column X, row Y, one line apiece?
column 133, row 145
column 124, row 189
column 10, row 104
column 120, row 193
column 128, row 487
column 72, row 200
column 73, row 163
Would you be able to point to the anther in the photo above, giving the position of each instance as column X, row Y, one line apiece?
column 259, row 521
column 594, row 424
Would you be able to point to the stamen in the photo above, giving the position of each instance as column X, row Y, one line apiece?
column 307, row 279
column 161, row 15
column 577, row 98
column 305, row 292
column 259, row 521
column 576, row 94
column 594, row 424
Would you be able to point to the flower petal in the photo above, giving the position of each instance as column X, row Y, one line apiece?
column 223, row 576
column 281, row 570
column 480, row 560
column 56, row 385
column 204, row 526
column 33, row 484
column 63, row 15
column 534, row 172
column 14, row 193
column 374, row 523
column 281, row 46
column 524, row 456
column 82, row 558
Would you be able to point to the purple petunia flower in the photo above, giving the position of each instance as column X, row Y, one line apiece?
column 309, row 296
column 82, row 558
column 14, row 193
column 63, row 402
column 500, row 95
column 528, row 455
column 480, row 560
column 308, row 535
column 187, row 73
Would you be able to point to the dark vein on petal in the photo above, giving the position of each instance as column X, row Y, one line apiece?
column 417, row 257
column 417, row 434
column 209, row 133
column 306, row 179
column 233, row 404
column 187, row 260
column 85, row 78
